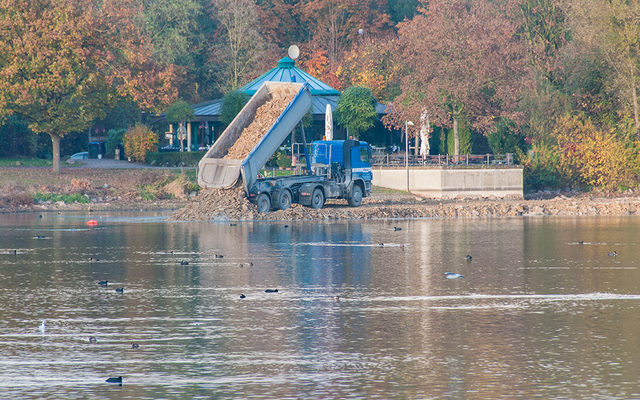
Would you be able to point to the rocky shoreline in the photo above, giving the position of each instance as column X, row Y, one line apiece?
column 233, row 206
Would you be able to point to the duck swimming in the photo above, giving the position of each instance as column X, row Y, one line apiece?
column 135, row 346
column 453, row 275
column 120, row 290
column 115, row 380
column 242, row 296
column 93, row 340
column 612, row 254
column 103, row 283
column 469, row 258
column 271, row 291
column 183, row 262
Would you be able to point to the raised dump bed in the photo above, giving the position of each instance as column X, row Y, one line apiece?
column 254, row 135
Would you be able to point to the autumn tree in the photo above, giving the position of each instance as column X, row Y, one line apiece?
column 464, row 56
column 613, row 27
column 335, row 23
column 372, row 63
column 63, row 61
column 240, row 50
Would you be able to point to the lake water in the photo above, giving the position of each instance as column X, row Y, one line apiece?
column 537, row 314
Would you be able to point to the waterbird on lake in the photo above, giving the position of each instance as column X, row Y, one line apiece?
column 581, row 242
column 336, row 299
column 43, row 327
column 40, row 237
column 135, row 346
column 120, row 290
column 242, row 296
column 286, row 226
column 219, row 256
column 381, row 244
column 15, row 252
column 453, row 275
column 396, row 228
column 469, row 258
column 183, row 262
column 117, row 380
column 93, row 340
column 232, row 224
column 271, row 291
column 612, row 254
column 103, row 283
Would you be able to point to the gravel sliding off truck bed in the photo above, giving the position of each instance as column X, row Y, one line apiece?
column 336, row 168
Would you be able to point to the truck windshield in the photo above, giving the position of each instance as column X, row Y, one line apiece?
column 365, row 154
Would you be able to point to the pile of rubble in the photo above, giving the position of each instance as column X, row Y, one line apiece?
column 266, row 116
column 232, row 205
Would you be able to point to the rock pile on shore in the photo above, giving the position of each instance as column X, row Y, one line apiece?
column 233, row 205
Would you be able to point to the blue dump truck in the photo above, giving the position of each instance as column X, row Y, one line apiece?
column 338, row 169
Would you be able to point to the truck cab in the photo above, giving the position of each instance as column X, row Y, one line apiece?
column 343, row 161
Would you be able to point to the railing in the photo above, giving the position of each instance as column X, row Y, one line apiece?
column 398, row 160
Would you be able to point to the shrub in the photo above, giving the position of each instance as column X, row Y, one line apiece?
column 114, row 138
column 138, row 141
column 55, row 197
column 177, row 159
column 592, row 156
column 283, row 160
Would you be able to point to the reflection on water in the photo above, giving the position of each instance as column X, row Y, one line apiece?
column 362, row 310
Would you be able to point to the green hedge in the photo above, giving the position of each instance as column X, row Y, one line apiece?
column 175, row 159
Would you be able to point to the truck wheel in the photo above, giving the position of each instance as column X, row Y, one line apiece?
column 285, row 200
column 263, row 202
column 356, row 196
column 317, row 198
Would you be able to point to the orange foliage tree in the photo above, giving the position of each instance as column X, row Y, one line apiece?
column 62, row 62
column 372, row 64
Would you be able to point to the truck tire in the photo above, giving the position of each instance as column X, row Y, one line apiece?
column 285, row 200
column 263, row 202
column 317, row 198
column 356, row 196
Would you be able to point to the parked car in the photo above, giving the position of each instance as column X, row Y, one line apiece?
column 80, row 156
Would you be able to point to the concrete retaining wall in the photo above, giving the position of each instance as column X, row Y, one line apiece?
column 447, row 182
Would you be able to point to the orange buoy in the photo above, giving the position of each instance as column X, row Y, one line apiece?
column 92, row 222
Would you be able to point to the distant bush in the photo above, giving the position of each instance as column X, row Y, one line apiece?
column 114, row 138
column 138, row 141
column 582, row 155
column 175, row 159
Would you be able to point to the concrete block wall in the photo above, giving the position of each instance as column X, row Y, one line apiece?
column 447, row 182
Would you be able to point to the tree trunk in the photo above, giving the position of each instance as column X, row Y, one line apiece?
column 456, row 138
column 55, row 141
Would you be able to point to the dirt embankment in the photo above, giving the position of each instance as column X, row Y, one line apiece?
column 233, row 205
column 36, row 189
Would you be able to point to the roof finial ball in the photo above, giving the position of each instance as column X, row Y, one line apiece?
column 293, row 52
column 360, row 31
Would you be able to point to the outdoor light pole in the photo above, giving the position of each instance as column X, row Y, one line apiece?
column 407, row 124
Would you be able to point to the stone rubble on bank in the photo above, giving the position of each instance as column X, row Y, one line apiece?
column 232, row 205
